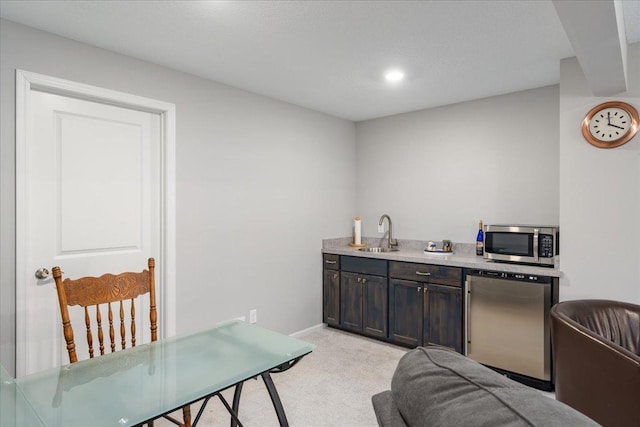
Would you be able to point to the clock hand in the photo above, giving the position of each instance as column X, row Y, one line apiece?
column 609, row 118
column 619, row 127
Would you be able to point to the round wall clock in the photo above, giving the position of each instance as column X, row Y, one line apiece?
column 610, row 124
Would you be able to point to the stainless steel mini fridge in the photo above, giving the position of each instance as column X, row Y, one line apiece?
column 507, row 324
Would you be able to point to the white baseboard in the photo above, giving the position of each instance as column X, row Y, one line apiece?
column 305, row 331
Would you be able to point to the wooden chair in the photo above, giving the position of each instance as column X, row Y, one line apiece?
column 112, row 290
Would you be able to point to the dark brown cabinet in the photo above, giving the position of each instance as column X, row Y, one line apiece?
column 375, row 306
column 405, row 314
column 363, row 297
column 442, row 307
column 351, row 301
column 425, row 304
column 331, row 290
column 406, row 303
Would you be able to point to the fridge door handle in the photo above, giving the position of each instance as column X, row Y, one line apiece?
column 467, row 305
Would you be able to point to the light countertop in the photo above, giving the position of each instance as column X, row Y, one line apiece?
column 413, row 251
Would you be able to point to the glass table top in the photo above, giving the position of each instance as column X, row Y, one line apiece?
column 15, row 411
column 131, row 386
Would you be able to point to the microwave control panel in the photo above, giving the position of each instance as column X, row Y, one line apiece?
column 545, row 246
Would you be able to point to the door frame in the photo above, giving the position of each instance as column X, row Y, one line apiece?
column 25, row 83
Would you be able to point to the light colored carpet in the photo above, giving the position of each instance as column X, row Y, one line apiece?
column 330, row 387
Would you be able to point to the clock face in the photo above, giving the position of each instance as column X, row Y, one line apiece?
column 610, row 124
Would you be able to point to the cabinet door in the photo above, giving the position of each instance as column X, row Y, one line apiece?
column 331, row 297
column 375, row 305
column 405, row 311
column 351, row 301
column 443, row 316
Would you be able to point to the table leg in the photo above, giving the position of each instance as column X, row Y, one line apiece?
column 236, row 403
column 275, row 399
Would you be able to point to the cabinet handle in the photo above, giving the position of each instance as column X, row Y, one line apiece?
column 419, row 289
column 335, row 275
column 364, row 280
column 359, row 280
column 420, row 273
column 330, row 262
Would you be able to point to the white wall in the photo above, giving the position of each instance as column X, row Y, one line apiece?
column 599, row 196
column 259, row 184
column 436, row 172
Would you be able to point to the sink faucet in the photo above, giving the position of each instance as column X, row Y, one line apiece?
column 391, row 241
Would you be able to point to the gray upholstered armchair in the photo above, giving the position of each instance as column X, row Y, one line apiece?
column 596, row 348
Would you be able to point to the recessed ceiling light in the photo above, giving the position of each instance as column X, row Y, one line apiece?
column 394, row 76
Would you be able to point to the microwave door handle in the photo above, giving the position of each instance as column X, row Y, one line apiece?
column 536, row 236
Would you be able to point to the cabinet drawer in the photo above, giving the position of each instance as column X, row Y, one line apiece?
column 331, row 261
column 377, row 267
column 451, row 276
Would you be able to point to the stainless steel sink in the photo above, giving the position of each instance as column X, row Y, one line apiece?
column 378, row 249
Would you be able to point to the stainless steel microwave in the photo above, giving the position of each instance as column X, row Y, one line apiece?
column 524, row 244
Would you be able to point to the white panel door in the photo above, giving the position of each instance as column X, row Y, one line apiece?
column 93, row 206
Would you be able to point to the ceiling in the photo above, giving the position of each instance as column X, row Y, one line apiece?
column 330, row 56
